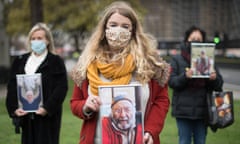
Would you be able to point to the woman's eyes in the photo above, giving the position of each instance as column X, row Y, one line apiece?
column 39, row 38
column 125, row 26
column 113, row 25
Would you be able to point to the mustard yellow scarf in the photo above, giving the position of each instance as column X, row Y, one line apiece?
column 117, row 74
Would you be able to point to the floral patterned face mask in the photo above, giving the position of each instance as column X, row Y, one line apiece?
column 118, row 37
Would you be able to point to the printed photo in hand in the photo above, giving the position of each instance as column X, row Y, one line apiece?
column 120, row 114
column 29, row 91
column 202, row 59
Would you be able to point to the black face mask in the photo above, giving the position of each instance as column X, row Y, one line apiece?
column 188, row 45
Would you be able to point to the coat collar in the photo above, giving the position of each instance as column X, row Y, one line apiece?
column 42, row 65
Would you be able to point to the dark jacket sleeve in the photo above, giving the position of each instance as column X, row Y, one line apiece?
column 217, row 84
column 177, row 78
column 11, row 99
column 57, row 88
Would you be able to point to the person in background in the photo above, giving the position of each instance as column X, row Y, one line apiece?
column 120, row 53
column 189, row 104
column 42, row 126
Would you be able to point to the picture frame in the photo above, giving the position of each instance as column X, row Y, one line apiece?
column 29, row 91
column 121, row 110
column 202, row 59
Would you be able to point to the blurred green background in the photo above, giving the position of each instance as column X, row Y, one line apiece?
column 71, row 127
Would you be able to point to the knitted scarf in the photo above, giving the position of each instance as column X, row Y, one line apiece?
column 118, row 74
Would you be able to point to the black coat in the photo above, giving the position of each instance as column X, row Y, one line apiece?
column 41, row 129
column 189, row 95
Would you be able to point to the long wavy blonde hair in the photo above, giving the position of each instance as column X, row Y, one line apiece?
column 142, row 46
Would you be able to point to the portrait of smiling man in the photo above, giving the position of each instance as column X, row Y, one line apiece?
column 121, row 127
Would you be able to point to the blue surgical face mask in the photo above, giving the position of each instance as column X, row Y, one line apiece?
column 38, row 46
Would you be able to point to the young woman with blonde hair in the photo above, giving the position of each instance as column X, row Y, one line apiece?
column 119, row 52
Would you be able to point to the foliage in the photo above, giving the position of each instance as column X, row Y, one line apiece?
column 17, row 17
column 76, row 16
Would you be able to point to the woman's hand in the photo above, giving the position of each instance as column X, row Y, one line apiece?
column 20, row 112
column 92, row 104
column 188, row 73
column 147, row 138
column 213, row 76
column 41, row 111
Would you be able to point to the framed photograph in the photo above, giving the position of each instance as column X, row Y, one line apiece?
column 29, row 91
column 202, row 59
column 121, row 114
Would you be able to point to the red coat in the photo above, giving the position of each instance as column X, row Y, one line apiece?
column 156, row 111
